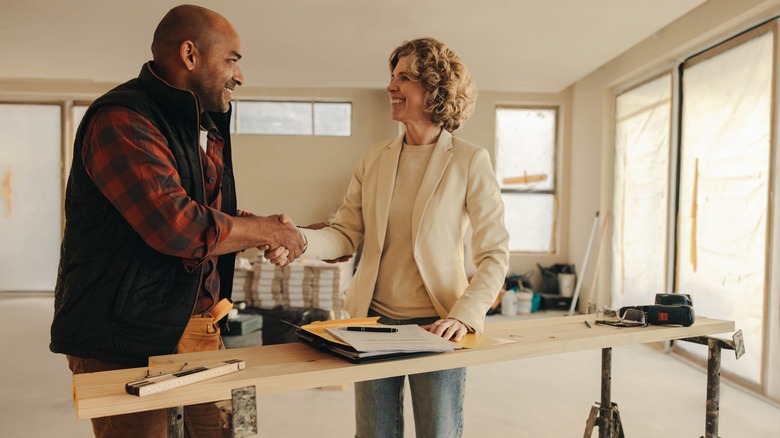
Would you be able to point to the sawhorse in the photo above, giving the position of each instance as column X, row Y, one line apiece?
column 240, row 422
column 605, row 414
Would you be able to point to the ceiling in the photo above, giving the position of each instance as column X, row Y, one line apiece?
column 509, row 45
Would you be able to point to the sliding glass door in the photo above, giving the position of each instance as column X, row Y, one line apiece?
column 725, row 177
column 31, row 201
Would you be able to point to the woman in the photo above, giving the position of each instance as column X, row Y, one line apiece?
column 410, row 201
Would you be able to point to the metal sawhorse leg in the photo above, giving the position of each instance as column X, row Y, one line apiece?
column 241, row 422
column 605, row 414
column 713, row 375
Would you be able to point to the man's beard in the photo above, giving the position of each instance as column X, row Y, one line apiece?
column 211, row 98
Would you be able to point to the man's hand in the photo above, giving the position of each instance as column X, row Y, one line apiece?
column 339, row 260
column 275, row 233
column 282, row 235
column 242, row 213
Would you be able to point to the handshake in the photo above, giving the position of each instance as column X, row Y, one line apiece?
column 284, row 242
column 276, row 235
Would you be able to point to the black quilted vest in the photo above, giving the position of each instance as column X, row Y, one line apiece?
column 117, row 299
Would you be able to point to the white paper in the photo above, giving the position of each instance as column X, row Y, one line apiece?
column 408, row 338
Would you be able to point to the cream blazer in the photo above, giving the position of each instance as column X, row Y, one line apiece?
column 458, row 188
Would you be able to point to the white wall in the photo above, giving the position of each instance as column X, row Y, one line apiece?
column 306, row 177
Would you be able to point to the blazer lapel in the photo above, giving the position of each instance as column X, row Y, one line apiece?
column 388, row 167
column 440, row 159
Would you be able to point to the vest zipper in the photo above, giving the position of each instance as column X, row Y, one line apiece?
column 203, row 188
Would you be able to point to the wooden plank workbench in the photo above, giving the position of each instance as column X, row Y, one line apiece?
column 288, row 367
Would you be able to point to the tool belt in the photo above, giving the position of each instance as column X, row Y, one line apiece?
column 220, row 310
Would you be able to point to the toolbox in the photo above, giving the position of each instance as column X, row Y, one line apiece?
column 244, row 323
column 554, row 302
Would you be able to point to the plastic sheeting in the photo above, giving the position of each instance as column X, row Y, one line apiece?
column 30, row 232
column 640, row 197
column 724, row 198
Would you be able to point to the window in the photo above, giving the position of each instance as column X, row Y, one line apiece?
column 31, row 196
column 725, row 177
column 78, row 111
column 292, row 118
column 525, row 167
column 641, row 191
column 332, row 118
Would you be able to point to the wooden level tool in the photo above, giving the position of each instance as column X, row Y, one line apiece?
column 152, row 384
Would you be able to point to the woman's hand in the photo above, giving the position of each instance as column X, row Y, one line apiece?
column 449, row 328
column 321, row 225
column 278, row 256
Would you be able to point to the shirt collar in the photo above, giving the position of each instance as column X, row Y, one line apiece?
column 208, row 124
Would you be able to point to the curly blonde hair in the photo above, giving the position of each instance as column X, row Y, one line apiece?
column 450, row 93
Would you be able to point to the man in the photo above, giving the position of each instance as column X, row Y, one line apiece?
column 146, row 263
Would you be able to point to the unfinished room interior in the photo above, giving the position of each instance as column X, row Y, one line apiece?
column 634, row 149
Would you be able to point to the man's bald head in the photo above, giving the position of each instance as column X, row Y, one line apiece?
column 198, row 50
column 186, row 22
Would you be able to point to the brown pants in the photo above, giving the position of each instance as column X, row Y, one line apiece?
column 201, row 334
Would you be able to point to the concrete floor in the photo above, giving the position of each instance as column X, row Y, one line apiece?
column 657, row 394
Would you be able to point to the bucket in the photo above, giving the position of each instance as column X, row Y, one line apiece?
column 524, row 302
column 509, row 303
column 566, row 284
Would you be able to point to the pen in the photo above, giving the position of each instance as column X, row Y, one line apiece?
column 372, row 329
column 587, row 324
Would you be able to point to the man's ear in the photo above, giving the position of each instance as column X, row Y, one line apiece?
column 188, row 53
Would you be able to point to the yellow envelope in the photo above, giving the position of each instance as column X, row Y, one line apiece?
column 318, row 327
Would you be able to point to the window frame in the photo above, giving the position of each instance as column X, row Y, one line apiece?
column 556, row 159
column 235, row 128
column 62, row 105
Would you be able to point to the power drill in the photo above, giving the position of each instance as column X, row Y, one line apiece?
column 669, row 309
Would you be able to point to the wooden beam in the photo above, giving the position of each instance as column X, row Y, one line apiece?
column 287, row 367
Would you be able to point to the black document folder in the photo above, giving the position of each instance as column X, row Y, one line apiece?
column 347, row 352
column 401, row 343
column 361, row 346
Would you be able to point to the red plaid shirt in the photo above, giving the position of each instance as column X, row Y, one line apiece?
column 129, row 161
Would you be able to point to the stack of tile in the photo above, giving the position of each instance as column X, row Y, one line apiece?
column 242, row 280
column 329, row 283
column 266, row 286
column 296, row 285
column 302, row 284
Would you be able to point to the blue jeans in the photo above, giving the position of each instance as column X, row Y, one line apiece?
column 437, row 400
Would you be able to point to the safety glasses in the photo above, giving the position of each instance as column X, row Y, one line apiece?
column 630, row 318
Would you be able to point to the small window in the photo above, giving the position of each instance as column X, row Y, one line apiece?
column 525, row 168
column 333, row 118
column 292, row 118
column 79, row 109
